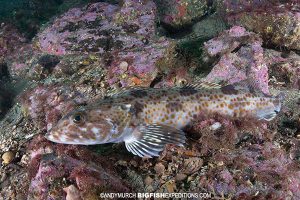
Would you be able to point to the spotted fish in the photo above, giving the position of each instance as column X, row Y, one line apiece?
column 147, row 119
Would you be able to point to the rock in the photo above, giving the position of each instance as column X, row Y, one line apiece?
column 180, row 177
column 241, row 57
column 3, row 177
column 191, row 165
column 209, row 27
column 229, row 40
column 135, row 180
column 121, row 34
column 99, row 27
column 71, row 33
column 10, row 40
column 159, row 168
column 142, row 68
column 177, row 14
column 89, row 173
column 205, row 29
column 148, row 181
column 257, row 165
column 29, row 15
column 278, row 23
column 14, row 49
column 123, row 66
column 284, row 68
column 72, row 193
column 59, row 100
column 226, row 176
column 7, row 157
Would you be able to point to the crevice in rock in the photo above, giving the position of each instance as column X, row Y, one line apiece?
column 6, row 92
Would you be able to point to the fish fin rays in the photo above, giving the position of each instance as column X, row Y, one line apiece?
column 249, row 85
column 152, row 139
column 269, row 116
column 280, row 96
column 202, row 85
column 123, row 91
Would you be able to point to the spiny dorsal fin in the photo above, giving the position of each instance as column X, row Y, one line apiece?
column 196, row 85
column 150, row 140
column 252, row 85
column 202, row 85
column 125, row 90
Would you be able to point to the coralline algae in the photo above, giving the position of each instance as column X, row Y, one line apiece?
column 125, row 34
column 179, row 13
column 241, row 57
column 278, row 22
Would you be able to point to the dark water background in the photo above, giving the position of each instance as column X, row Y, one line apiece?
column 29, row 15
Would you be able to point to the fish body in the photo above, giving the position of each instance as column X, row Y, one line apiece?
column 148, row 118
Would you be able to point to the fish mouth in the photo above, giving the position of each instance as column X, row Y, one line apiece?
column 49, row 136
column 52, row 136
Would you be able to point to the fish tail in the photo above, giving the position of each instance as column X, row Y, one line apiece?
column 270, row 112
column 280, row 96
column 277, row 102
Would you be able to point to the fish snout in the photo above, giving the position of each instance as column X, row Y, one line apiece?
column 53, row 137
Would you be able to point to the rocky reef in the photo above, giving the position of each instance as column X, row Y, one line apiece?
column 279, row 26
column 241, row 57
column 91, row 49
column 178, row 14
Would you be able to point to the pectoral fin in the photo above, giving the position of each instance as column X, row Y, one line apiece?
column 150, row 140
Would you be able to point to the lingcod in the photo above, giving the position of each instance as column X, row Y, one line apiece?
column 147, row 119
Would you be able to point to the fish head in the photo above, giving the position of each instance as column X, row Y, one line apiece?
column 90, row 126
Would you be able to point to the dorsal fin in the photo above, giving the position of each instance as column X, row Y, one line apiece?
column 202, row 85
column 124, row 90
column 196, row 85
column 249, row 85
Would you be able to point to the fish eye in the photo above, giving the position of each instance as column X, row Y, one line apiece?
column 78, row 118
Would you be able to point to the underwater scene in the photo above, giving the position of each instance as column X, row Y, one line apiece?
column 149, row 99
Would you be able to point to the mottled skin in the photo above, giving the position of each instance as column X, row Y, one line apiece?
column 116, row 118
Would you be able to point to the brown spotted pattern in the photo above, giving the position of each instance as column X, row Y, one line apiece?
column 173, row 106
column 108, row 120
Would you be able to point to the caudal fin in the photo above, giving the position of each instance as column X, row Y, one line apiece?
column 268, row 113
column 278, row 101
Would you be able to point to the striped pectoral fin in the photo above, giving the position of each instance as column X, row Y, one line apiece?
column 150, row 140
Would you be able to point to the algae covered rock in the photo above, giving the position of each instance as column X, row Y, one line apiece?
column 208, row 27
column 121, row 34
column 284, row 68
column 53, row 168
column 177, row 14
column 241, row 57
column 277, row 22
